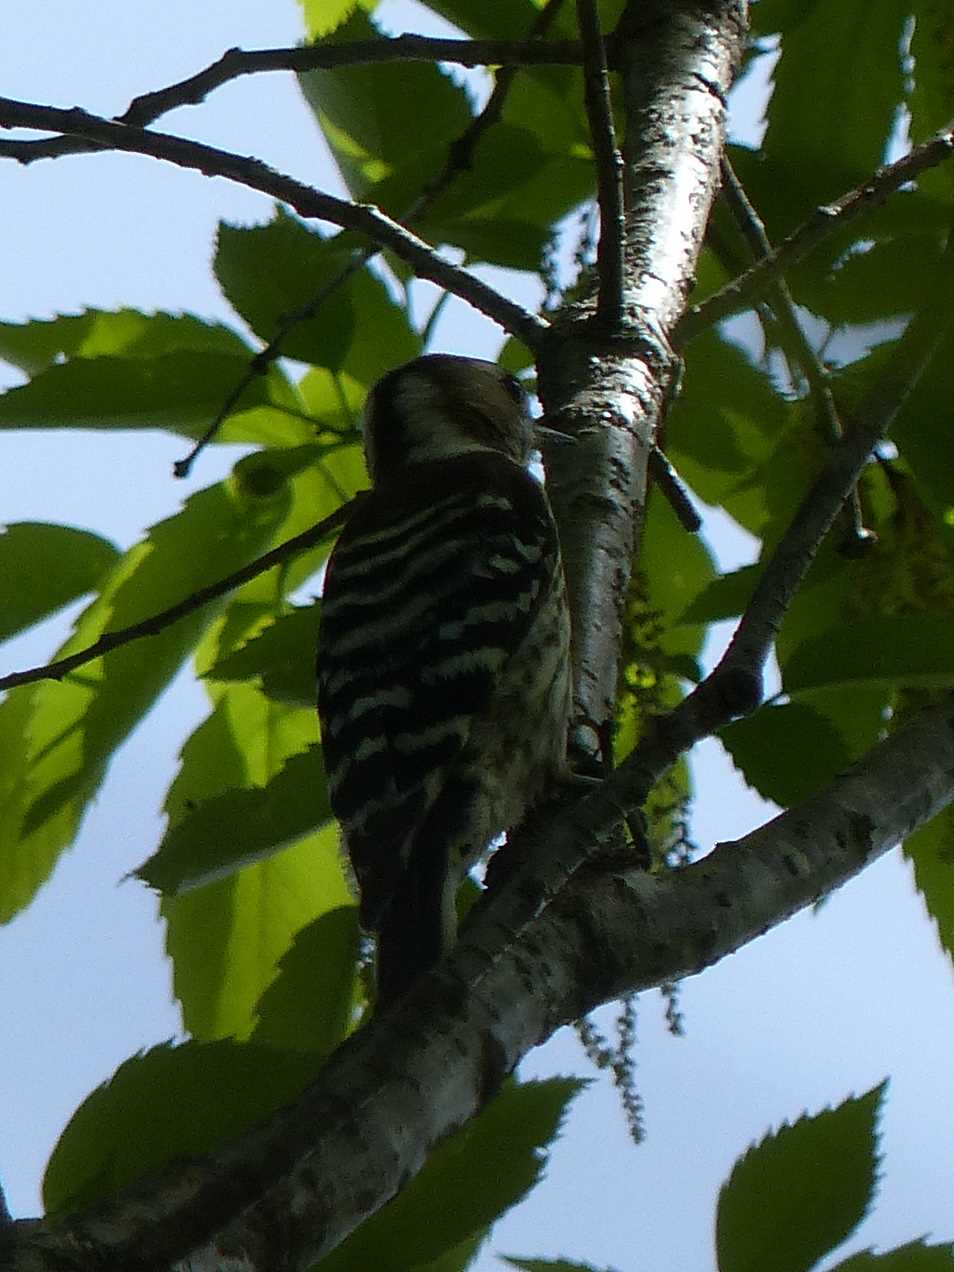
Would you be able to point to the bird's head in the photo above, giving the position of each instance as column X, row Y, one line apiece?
column 441, row 406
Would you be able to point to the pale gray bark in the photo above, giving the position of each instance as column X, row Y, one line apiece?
column 609, row 388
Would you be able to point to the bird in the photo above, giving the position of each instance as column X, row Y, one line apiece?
column 444, row 689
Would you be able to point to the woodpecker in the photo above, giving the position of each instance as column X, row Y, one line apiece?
column 443, row 665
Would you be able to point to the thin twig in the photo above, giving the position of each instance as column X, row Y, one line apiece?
column 752, row 229
column 743, row 291
column 259, row 364
column 306, row 200
column 459, row 159
column 460, row 153
column 324, row 56
column 816, row 375
column 673, row 487
column 156, row 623
column 609, row 167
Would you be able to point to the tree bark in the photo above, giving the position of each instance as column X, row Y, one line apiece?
column 609, row 389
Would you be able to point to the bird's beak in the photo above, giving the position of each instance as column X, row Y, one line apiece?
column 544, row 433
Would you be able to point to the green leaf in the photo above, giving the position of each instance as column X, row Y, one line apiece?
column 383, row 337
column 344, row 471
column 503, row 241
column 724, row 427
column 372, row 115
column 931, row 851
column 43, row 567
column 268, row 271
column 223, row 834
column 458, row 1258
column 828, row 597
column 785, row 752
column 550, row 1265
column 723, row 597
column 929, row 100
column 835, row 135
column 920, row 428
column 322, row 16
column 172, row 1102
column 660, row 651
column 507, row 159
column 282, row 656
column 914, row 649
column 801, row 1191
column 226, row 939
column 317, row 490
column 858, row 714
column 549, row 103
column 885, row 280
column 467, row 1183
column 311, row 1003
column 502, row 207
column 33, row 346
column 478, row 18
column 677, row 565
column 180, row 391
column 59, row 736
column 913, row 1257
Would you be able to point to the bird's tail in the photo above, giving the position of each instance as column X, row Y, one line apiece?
column 413, row 933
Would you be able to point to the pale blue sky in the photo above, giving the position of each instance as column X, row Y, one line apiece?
column 823, row 1007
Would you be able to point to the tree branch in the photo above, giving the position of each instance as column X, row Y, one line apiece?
column 233, row 63
column 824, row 221
column 155, row 623
column 325, row 56
column 610, row 393
column 307, row 201
column 609, row 167
column 290, row 1190
column 671, row 485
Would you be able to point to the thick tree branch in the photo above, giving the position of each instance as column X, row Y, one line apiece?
column 536, row 956
column 677, row 62
column 705, row 911
column 307, row 201
column 156, row 623
column 824, row 221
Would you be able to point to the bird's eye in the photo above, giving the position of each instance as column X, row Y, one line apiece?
column 515, row 389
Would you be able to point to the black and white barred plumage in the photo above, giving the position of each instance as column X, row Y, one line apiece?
column 443, row 669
